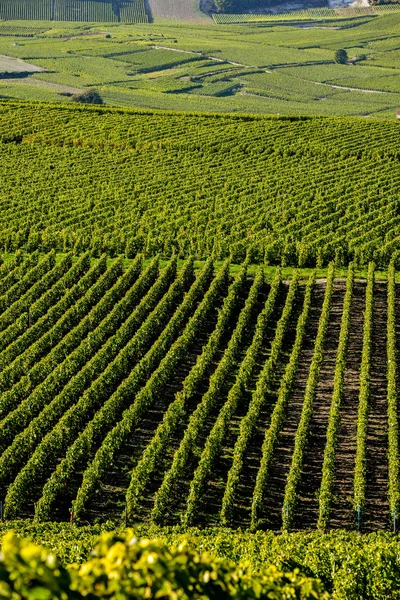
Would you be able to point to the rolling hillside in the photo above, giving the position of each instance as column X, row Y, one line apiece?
column 285, row 68
column 135, row 387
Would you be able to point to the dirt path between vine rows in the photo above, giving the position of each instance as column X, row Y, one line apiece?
column 377, row 505
column 342, row 513
column 307, row 509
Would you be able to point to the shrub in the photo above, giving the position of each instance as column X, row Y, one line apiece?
column 88, row 97
column 341, row 56
column 125, row 567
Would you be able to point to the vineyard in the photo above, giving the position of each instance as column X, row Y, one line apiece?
column 126, row 11
column 199, row 311
column 295, row 191
column 311, row 14
column 279, row 67
column 169, row 395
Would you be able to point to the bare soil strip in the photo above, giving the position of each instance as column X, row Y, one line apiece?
column 342, row 514
column 177, row 502
column 307, row 510
column 110, row 499
column 377, row 505
column 9, row 64
column 274, row 494
column 212, row 501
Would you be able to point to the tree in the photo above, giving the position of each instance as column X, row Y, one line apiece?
column 88, row 97
column 341, row 57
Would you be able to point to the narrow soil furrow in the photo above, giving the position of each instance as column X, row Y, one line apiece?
column 307, row 509
column 178, row 505
column 377, row 504
column 109, row 501
column 271, row 516
column 252, row 458
column 212, row 499
column 147, row 502
column 342, row 513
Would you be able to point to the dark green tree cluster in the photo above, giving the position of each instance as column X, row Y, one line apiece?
column 88, row 97
column 341, row 57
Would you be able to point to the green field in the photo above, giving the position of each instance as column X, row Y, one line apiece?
column 199, row 305
column 265, row 67
column 290, row 191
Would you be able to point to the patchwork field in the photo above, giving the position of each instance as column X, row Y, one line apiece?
column 283, row 67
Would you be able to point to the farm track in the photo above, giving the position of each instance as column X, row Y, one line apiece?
column 271, row 515
column 306, row 516
column 342, row 514
column 377, row 505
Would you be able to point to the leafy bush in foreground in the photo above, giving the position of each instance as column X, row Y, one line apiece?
column 126, row 567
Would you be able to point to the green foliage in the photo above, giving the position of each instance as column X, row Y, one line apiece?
column 126, row 567
column 210, row 200
column 341, row 56
column 350, row 566
column 88, row 97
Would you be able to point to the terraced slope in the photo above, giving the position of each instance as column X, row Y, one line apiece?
column 171, row 395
